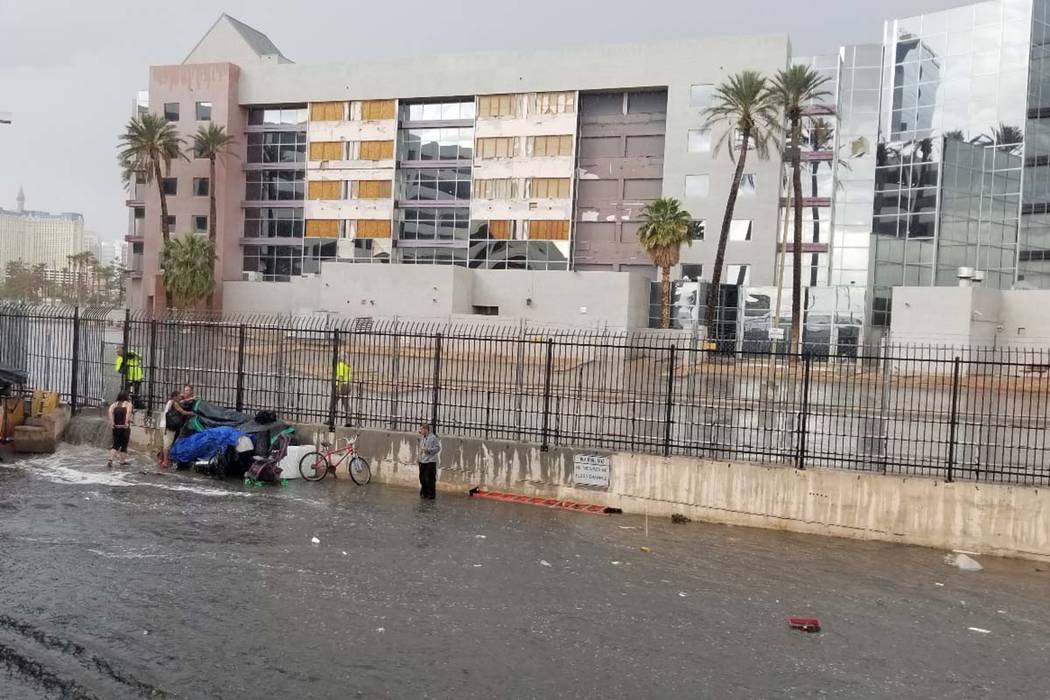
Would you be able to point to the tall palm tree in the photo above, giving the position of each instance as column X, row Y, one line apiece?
column 81, row 264
column 665, row 227
column 189, row 268
column 742, row 105
column 792, row 89
column 212, row 142
column 146, row 149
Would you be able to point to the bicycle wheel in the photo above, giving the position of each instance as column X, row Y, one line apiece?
column 360, row 472
column 313, row 466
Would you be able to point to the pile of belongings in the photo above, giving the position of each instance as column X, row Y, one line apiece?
column 222, row 442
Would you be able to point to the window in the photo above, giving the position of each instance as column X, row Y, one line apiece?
column 323, row 228
column 200, row 223
column 373, row 228
column 376, row 150
column 437, row 144
column 268, row 185
column 370, row 189
column 747, row 184
column 498, row 147
column 692, row 271
column 700, row 95
column 276, row 116
column 377, row 109
column 549, row 146
column 499, row 105
column 501, row 230
column 438, row 111
column 284, row 222
column 548, row 230
column 501, row 188
column 277, row 147
column 479, row 310
column 275, row 263
column 647, row 102
column 740, row 230
column 547, row 188
column 429, row 224
column 171, row 111
column 327, row 111
column 552, row 103
column 327, row 150
column 699, row 141
column 171, row 222
column 698, row 227
column 697, row 185
column 737, row 274
column 200, row 187
column 170, row 186
column 204, row 111
column 324, row 189
column 140, row 212
column 427, row 184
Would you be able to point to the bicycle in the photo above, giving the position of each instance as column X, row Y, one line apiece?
column 315, row 466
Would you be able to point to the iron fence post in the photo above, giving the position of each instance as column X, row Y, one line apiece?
column 242, row 332
column 124, row 342
column 437, row 384
column 331, row 380
column 150, row 384
column 74, row 374
column 953, row 418
column 545, row 434
column 806, row 361
column 669, row 403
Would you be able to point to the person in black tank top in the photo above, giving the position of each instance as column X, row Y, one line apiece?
column 120, row 413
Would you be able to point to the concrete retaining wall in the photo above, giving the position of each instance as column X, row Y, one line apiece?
column 986, row 518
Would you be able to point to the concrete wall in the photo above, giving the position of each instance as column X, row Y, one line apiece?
column 617, row 300
column 971, row 316
column 986, row 518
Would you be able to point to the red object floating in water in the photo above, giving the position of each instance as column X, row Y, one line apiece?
column 477, row 492
column 806, row 624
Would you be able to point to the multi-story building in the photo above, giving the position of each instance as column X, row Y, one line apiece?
column 38, row 237
column 537, row 161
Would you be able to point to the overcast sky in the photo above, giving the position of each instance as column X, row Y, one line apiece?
column 69, row 70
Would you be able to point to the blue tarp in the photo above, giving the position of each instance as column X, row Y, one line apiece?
column 203, row 445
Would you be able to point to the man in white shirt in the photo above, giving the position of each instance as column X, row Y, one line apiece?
column 429, row 448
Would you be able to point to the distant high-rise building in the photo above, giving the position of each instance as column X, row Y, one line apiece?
column 38, row 237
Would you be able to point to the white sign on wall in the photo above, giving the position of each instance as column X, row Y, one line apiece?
column 590, row 470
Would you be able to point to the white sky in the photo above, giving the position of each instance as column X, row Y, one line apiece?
column 69, row 70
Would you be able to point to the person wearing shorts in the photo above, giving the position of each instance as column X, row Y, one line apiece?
column 120, row 414
column 168, row 429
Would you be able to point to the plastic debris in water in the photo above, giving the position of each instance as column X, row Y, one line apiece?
column 315, row 540
column 616, row 563
column 645, row 549
column 963, row 562
column 938, row 583
column 805, row 624
column 479, row 537
column 380, row 629
column 477, row 566
column 344, row 554
column 544, row 562
column 980, row 630
column 682, row 594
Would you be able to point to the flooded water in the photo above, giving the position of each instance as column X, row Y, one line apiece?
column 119, row 584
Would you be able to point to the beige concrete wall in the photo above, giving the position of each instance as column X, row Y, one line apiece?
column 985, row 518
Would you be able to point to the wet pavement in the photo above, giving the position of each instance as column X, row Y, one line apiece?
column 117, row 584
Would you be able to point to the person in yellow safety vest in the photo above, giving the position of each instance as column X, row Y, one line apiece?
column 344, row 374
column 133, row 372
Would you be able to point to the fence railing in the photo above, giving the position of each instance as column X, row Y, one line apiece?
column 953, row 413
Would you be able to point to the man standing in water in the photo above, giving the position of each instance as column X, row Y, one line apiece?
column 429, row 447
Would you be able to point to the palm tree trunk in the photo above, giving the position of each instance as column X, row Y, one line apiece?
column 723, row 236
column 165, row 230
column 815, row 187
column 796, row 253
column 212, row 224
column 665, row 296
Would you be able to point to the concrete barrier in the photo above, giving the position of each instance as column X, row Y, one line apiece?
column 986, row 518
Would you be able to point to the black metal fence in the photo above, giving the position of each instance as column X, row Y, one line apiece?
column 954, row 413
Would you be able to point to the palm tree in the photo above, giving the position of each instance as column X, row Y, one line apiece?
column 189, row 268
column 81, row 264
column 665, row 227
column 147, row 147
column 743, row 106
column 212, row 142
column 792, row 89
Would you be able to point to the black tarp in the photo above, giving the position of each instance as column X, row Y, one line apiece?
column 208, row 415
column 9, row 377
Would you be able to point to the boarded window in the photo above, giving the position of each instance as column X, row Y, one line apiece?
column 373, row 228
column 370, row 189
column 552, row 103
column 547, row 146
column 548, row 188
column 645, row 146
column 648, row 102
column 642, row 190
column 325, row 189
column 497, row 188
column 548, row 230
column 499, row 105
column 327, row 111
column 377, row 150
column 501, row 229
column 596, row 231
column 498, row 147
column 596, row 193
column 326, row 150
column 323, row 228
column 377, row 109
column 601, row 147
